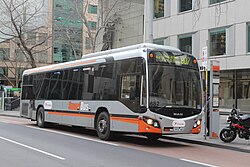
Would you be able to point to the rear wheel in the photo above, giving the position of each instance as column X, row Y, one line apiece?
column 103, row 126
column 40, row 116
column 227, row 135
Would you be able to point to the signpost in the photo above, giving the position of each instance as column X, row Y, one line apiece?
column 1, row 101
column 204, row 58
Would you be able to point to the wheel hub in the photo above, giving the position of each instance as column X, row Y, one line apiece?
column 102, row 126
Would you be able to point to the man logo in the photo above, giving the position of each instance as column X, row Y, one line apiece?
column 178, row 114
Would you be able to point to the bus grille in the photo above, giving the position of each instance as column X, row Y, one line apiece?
column 25, row 107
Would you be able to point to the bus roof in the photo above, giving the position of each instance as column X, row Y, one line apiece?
column 132, row 47
column 91, row 58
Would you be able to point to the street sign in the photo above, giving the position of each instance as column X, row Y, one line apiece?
column 204, row 58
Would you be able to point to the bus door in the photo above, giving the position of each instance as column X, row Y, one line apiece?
column 130, row 90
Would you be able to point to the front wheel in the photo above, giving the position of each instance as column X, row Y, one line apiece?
column 227, row 135
column 153, row 137
column 40, row 116
column 103, row 126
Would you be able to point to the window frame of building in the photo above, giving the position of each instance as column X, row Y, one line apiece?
column 92, row 9
column 211, row 2
column 159, row 6
column 218, row 45
column 184, row 6
column 181, row 39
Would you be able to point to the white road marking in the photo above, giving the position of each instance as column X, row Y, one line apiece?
column 75, row 136
column 200, row 163
column 32, row 148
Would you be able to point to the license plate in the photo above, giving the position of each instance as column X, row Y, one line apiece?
column 178, row 129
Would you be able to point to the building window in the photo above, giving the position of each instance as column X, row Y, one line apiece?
column 19, row 55
column 31, row 38
column 158, row 8
column 248, row 37
column 159, row 41
column 92, row 9
column 88, row 43
column 56, row 50
column 185, row 43
column 4, row 53
column 218, row 42
column 185, row 5
column 92, row 25
column 42, row 57
column 4, row 71
column 216, row 1
column 43, row 38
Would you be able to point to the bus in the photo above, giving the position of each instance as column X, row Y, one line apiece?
column 144, row 89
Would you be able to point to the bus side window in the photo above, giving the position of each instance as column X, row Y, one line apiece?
column 128, row 87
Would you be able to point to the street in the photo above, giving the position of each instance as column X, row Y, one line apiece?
column 23, row 144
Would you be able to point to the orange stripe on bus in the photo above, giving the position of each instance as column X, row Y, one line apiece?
column 72, row 114
column 127, row 120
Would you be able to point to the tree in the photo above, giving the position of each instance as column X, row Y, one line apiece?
column 107, row 19
column 15, row 67
column 19, row 20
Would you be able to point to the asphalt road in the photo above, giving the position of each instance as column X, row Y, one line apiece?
column 24, row 145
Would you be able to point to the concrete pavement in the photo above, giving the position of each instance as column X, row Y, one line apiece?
column 237, row 145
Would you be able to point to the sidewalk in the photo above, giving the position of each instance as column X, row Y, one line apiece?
column 10, row 113
column 237, row 145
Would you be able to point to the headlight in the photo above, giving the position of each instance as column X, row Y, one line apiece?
column 195, row 125
column 151, row 122
column 198, row 122
column 156, row 125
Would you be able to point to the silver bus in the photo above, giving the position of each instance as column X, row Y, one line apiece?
column 144, row 89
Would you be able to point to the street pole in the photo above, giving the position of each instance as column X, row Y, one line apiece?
column 148, row 21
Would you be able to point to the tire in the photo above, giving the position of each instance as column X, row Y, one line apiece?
column 227, row 135
column 40, row 116
column 153, row 137
column 103, row 126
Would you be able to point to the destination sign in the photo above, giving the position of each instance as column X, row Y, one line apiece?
column 172, row 58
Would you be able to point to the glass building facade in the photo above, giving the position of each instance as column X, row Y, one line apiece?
column 67, row 31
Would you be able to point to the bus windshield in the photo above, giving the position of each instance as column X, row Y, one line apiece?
column 174, row 86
